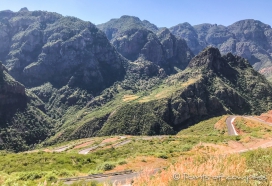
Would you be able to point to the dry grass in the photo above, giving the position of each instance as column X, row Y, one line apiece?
column 246, row 139
column 190, row 81
column 145, row 99
column 198, row 165
column 221, row 124
column 247, row 126
column 164, row 92
column 127, row 98
column 266, row 116
column 140, row 163
column 84, row 144
column 254, row 124
column 108, row 140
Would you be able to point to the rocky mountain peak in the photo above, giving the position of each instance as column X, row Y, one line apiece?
column 248, row 38
column 150, row 26
column 207, row 58
column 163, row 31
column 250, row 23
column 130, row 17
column 25, row 9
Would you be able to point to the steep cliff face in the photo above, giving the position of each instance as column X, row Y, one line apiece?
column 249, row 38
column 176, row 51
column 136, row 39
column 22, row 123
column 12, row 94
column 40, row 47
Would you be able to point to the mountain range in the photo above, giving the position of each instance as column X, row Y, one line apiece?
column 62, row 78
column 249, row 38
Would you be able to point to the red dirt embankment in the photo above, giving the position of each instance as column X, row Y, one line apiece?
column 266, row 116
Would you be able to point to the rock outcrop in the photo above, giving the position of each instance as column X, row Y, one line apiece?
column 136, row 39
column 249, row 38
column 40, row 47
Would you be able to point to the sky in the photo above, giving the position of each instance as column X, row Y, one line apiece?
column 163, row 13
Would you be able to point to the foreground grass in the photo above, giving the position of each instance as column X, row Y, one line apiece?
column 201, row 169
column 45, row 168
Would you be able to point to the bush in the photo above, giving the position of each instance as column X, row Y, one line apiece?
column 106, row 166
column 163, row 156
column 237, row 138
column 30, row 176
column 51, row 177
column 122, row 162
column 186, row 147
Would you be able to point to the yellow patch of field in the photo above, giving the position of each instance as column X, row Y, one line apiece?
column 166, row 91
column 140, row 162
column 163, row 94
column 145, row 99
column 189, row 82
column 127, row 98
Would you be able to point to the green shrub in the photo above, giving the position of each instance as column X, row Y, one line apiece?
column 51, row 177
column 186, row 147
column 122, row 162
column 30, row 176
column 163, row 156
column 237, row 138
column 106, row 166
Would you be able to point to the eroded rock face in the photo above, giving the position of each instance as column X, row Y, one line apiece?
column 136, row 39
column 176, row 51
column 39, row 47
column 131, row 42
column 187, row 32
column 249, row 38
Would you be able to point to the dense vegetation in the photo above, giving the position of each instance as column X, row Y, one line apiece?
column 23, row 123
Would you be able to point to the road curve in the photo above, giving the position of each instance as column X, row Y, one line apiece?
column 230, row 126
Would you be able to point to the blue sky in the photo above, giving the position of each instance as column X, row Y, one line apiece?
column 163, row 13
